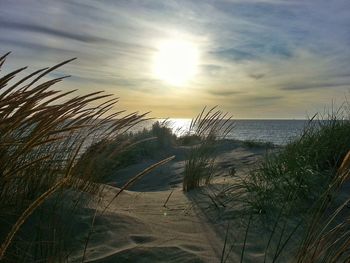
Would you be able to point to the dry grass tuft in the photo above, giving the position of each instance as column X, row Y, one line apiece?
column 42, row 135
column 200, row 164
column 327, row 236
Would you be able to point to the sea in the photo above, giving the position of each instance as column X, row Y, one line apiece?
column 278, row 132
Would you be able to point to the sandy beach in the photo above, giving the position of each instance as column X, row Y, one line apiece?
column 155, row 221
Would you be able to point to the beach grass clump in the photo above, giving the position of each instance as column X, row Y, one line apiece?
column 303, row 169
column 321, row 236
column 208, row 127
column 165, row 138
column 43, row 133
column 326, row 237
column 108, row 156
column 189, row 140
column 258, row 144
column 199, row 166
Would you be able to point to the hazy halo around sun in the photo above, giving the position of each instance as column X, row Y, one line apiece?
column 176, row 61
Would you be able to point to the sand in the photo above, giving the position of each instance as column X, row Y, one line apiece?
column 155, row 221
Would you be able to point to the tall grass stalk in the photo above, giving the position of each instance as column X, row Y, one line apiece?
column 301, row 189
column 208, row 126
column 42, row 135
column 106, row 157
column 306, row 166
column 327, row 236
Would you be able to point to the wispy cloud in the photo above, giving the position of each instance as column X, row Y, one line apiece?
column 318, row 85
column 42, row 29
column 259, row 52
column 256, row 75
column 224, row 93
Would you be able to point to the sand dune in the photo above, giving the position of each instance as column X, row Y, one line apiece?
column 160, row 226
column 138, row 228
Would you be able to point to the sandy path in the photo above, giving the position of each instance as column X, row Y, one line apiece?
column 138, row 228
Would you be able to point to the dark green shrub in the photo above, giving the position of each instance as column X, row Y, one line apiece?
column 108, row 156
column 305, row 167
column 189, row 140
column 258, row 144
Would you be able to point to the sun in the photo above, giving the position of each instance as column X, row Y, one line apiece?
column 176, row 62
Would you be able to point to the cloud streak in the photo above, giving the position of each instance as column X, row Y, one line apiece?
column 13, row 25
column 261, row 52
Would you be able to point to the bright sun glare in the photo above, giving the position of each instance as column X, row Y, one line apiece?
column 176, row 62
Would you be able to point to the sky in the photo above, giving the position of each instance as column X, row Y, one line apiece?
column 256, row 58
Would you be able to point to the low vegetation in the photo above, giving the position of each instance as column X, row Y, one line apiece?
column 319, row 234
column 258, row 144
column 303, row 169
column 326, row 238
column 207, row 127
column 295, row 193
column 108, row 156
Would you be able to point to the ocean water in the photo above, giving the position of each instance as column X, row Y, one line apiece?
column 278, row 132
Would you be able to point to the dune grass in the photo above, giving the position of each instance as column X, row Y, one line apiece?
column 107, row 156
column 189, row 140
column 208, row 127
column 321, row 236
column 258, row 144
column 305, row 167
column 328, row 230
column 296, row 193
column 42, row 134
column 199, row 166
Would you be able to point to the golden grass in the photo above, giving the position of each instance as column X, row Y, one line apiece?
column 42, row 134
column 327, row 237
column 208, row 126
